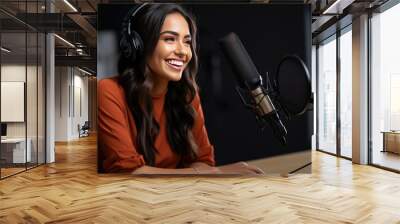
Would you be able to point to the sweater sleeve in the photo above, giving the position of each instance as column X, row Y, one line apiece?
column 115, row 139
column 205, row 149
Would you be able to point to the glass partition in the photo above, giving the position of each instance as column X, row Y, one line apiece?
column 22, row 79
column 14, row 153
column 385, row 88
column 327, row 96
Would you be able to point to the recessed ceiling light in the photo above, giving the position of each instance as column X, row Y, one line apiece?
column 70, row 5
column 84, row 71
column 337, row 7
column 5, row 49
column 64, row 40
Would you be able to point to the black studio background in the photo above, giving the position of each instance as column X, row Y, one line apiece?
column 268, row 32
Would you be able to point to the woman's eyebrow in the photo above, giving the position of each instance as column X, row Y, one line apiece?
column 174, row 33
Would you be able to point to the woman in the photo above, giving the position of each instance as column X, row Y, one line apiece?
column 150, row 117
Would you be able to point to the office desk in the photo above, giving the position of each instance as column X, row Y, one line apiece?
column 13, row 150
column 297, row 162
column 391, row 141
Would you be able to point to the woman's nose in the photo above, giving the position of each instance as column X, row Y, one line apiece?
column 181, row 49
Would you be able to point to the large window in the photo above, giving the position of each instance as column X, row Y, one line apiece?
column 385, row 88
column 346, row 93
column 335, row 73
column 327, row 96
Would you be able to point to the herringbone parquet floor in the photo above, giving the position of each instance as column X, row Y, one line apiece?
column 70, row 191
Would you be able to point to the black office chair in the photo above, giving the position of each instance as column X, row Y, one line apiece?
column 84, row 130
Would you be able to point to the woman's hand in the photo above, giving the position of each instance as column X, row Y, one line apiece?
column 203, row 168
column 240, row 168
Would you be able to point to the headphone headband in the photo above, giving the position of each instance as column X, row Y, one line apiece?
column 133, row 15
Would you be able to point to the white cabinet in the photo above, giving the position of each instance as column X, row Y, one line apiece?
column 15, row 148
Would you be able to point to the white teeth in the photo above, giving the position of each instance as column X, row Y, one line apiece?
column 175, row 62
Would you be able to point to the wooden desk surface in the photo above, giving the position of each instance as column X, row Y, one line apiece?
column 300, row 162
column 71, row 191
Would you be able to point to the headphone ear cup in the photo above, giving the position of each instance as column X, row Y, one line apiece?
column 137, row 45
column 125, row 46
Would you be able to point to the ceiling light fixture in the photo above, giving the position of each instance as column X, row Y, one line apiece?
column 70, row 5
column 80, row 51
column 5, row 50
column 84, row 71
column 337, row 7
column 65, row 41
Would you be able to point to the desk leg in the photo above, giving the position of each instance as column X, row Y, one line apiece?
column 384, row 142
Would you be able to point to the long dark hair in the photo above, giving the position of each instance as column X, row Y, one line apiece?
column 137, row 85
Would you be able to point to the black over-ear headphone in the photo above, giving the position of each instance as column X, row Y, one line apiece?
column 131, row 44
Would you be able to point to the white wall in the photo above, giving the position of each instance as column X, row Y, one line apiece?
column 61, row 103
column 81, row 82
column 71, row 102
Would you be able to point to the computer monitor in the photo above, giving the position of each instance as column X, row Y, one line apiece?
column 3, row 129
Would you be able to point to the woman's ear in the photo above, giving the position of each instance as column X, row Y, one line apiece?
column 147, row 70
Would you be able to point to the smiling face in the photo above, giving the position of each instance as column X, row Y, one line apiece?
column 173, row 50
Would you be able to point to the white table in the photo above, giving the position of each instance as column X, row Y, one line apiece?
column 17, row 147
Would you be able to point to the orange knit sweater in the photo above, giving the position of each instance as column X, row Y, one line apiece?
column 117, row 132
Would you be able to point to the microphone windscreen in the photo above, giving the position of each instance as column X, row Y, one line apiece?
column 243, row 67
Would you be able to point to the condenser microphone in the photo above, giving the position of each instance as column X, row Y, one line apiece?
column 250, row 80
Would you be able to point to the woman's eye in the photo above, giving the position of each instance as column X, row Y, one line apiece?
column 169, row 39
